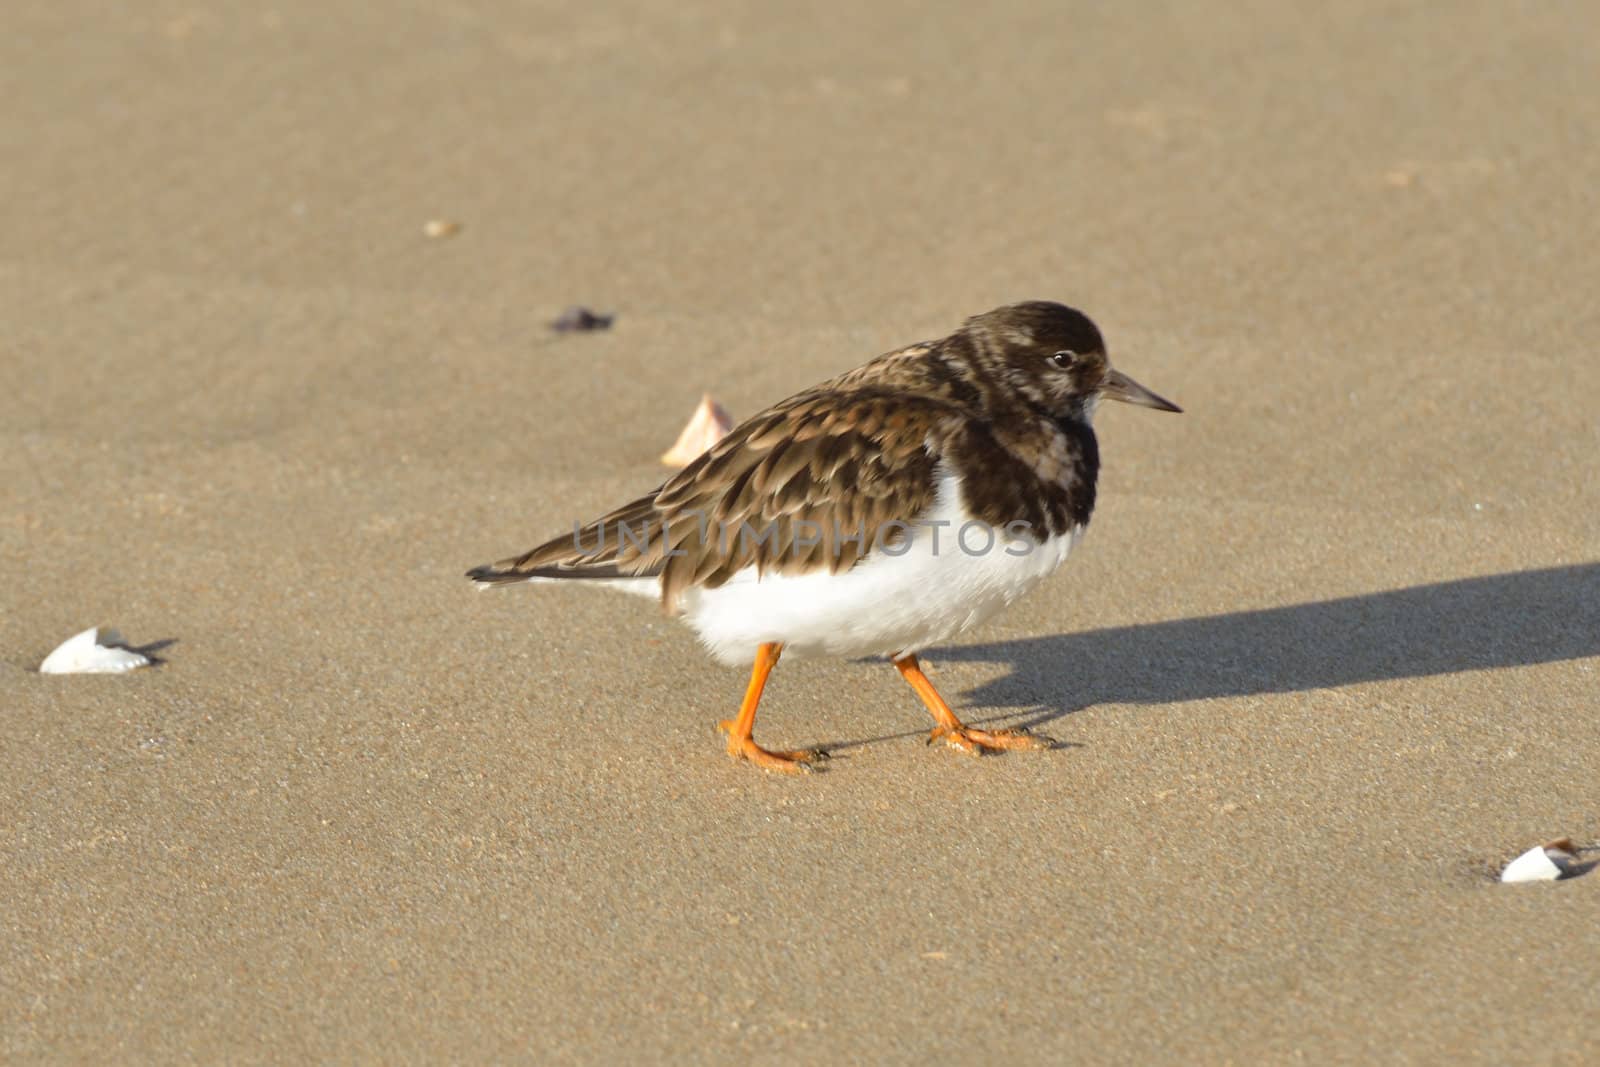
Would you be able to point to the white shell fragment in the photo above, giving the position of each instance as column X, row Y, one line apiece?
column 708, row 425
column 440, row 228
column 1544, row 863
column 83, row 654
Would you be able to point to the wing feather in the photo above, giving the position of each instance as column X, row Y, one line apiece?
column 805, row 486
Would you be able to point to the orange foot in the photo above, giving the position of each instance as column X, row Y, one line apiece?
column 951, row 730
column 788, row 762
column 977, row 742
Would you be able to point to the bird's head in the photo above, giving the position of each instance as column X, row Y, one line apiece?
column 1055, row 358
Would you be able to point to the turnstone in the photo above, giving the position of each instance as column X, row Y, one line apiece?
column 889, row 509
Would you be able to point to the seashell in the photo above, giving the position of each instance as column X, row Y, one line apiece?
column 709, row 424
column 1542, row 863
column 83, row 654
column 437, row 228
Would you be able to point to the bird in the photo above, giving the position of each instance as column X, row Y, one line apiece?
column 882, row 512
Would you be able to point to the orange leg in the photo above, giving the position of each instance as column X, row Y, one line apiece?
column 740, row 744
column 952, row 730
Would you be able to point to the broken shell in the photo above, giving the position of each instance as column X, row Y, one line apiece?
column 708, row 425
column 82, row 654
column 437, row 228
column 1542, row 863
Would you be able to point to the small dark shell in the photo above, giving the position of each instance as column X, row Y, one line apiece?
column 581, row 320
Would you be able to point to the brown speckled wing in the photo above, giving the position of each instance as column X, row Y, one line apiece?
column 814, row 483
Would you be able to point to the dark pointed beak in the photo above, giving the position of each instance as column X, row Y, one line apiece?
column 1121, row 387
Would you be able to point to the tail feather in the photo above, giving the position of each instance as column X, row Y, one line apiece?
column 597, row 551
column 503, row 573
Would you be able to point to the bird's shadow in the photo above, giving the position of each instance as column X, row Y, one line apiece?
column 1504, row 620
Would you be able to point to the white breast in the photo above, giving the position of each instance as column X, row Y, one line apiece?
column 953, row 574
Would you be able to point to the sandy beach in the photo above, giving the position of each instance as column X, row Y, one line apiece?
column 1328, row 658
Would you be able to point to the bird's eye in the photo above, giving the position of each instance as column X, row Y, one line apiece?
column 1064, row 359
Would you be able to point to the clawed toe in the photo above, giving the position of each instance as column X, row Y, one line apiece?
column 795, row 762
column 976, row 742
column 955, row 733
